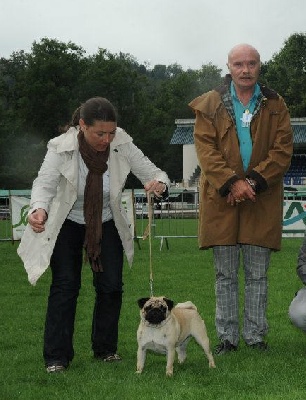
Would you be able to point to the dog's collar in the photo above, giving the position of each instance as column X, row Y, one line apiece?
column 157, row 326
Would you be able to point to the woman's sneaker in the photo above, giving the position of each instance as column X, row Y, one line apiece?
column 55, row 367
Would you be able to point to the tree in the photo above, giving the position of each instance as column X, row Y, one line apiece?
column 286, row 73
column 51, row 78
column 118, row 78
column 208, row 77
column 11, row 124
column 40, row 90
column 11, row 79
column 171, row 89
column 21, row 160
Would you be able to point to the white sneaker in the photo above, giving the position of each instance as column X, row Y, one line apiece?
column 55, row 368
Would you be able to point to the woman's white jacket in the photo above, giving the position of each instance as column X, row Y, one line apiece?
column 55, row 190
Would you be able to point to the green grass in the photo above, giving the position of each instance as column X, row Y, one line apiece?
column 181, row 273
column 5, row 229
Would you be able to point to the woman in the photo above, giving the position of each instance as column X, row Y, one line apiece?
column 76, row 203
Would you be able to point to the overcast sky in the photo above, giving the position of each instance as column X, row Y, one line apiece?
column 187, row 32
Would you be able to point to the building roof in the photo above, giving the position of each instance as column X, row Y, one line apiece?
column 183, row 133
column 299, row 134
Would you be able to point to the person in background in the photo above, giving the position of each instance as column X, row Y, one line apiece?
column 76, row 204
column 297, row 309
column 243, row 140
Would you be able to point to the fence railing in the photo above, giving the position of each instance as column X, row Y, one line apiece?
column 178, row 216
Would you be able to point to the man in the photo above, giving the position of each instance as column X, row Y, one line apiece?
column 243, row 140
column 297, row 309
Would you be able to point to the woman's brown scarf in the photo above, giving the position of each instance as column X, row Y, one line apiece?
column 93, row 200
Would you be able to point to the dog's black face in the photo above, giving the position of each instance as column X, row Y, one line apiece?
column 155, row 309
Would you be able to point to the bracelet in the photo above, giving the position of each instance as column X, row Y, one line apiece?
column 165, row 188
column 251, row 183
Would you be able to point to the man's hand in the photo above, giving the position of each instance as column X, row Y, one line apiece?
column 240, row 191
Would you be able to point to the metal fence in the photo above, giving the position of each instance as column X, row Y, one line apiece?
column 5, row 219
column 175, row 218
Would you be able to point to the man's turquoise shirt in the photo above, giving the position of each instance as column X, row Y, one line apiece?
column 243, row 128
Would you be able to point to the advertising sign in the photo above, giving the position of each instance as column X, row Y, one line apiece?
column 20, row 207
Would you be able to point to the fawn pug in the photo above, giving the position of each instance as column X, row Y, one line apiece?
column 165, row 328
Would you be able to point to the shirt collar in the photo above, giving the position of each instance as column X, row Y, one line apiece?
column 256, row 92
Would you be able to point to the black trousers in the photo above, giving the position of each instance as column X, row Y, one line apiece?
column 66, row 266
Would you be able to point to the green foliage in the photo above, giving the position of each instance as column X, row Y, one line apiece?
column 286, row 73
column 22, row 160
column 21, row 154
column 171, row 89
column 50, row 81
column 181, row 273
column 115, row 77
column 41, row 89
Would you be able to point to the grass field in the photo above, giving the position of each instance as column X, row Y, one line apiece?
column 181, row 273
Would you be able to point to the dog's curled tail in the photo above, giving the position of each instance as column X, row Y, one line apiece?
column 187, row 305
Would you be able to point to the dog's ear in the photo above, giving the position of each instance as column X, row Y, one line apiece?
column 142, row 302
column 169, row 303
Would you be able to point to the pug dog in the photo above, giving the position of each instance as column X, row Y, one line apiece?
column 165, row 329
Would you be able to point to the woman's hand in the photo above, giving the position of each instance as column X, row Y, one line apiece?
column 155, row 187
column 37, row 220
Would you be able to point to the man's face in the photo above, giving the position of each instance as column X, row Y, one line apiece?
column 244, row 66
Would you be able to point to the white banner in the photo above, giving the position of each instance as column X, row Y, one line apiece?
column 20, row 207
column 294, row 218
column 294, row 215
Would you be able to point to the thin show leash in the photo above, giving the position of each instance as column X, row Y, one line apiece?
column 147, row 233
